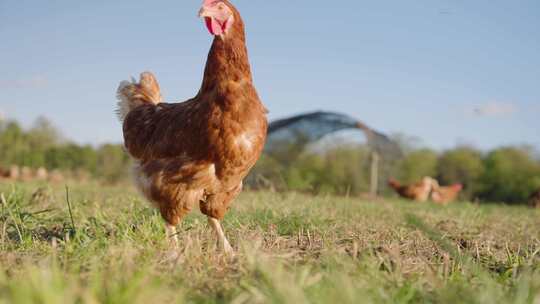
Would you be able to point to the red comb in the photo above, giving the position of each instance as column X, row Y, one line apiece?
column 210, row 2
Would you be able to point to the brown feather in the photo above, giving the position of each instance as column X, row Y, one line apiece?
column 444, row 195
column 199, row 151
column 418, row 191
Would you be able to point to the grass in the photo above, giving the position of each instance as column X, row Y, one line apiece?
column 291, row 248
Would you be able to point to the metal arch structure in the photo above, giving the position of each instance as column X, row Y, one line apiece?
column 307, row 128
column 303, row 129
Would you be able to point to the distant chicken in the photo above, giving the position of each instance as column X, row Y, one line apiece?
column 418, row 192
column 4, row 173
column 199, row 151
column 12, row 173
column 534, row 199
column 444, row 195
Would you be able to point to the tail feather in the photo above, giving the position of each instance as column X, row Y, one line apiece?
column 131, row 94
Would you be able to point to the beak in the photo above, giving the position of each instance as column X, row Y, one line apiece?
column 202, row 12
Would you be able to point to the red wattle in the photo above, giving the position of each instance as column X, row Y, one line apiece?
column 214, row 27
column 208, row 22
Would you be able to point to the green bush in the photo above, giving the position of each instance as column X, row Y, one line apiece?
column 43, row 146
column 508, row 174
column 416, row 165
column 461, row 165
column 505, row 175
column 342, row 170
column 511, row 175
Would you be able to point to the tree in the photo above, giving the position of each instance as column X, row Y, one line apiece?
column 418, row 164
column 462, row 165
column 407, row 143
column 511, row 175
column 339, row 170
column 44, row 134
column 42, row 145
column 13, row 144
column 112, row 162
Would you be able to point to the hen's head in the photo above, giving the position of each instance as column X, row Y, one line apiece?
column 219, row 16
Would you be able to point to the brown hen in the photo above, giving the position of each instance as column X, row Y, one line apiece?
column 417, row 192
column 534, row 199
column 445, row 194
column 199, row 151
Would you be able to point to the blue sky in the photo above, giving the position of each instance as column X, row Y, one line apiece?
column 448, row 71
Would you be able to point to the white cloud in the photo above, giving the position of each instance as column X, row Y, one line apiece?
column 493, row 109
column 35, row 82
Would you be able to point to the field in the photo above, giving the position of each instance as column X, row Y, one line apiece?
column 291, row 248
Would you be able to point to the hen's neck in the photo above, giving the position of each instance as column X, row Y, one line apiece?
column 227, row 62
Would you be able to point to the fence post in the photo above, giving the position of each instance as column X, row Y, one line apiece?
column 374, row 184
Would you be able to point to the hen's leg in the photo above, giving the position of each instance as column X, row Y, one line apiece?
column 215, row 206
column 172, row 236
column 222, row 240
column 172, row 212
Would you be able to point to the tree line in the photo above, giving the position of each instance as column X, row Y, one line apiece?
column 506, row 174
column 43, row 146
